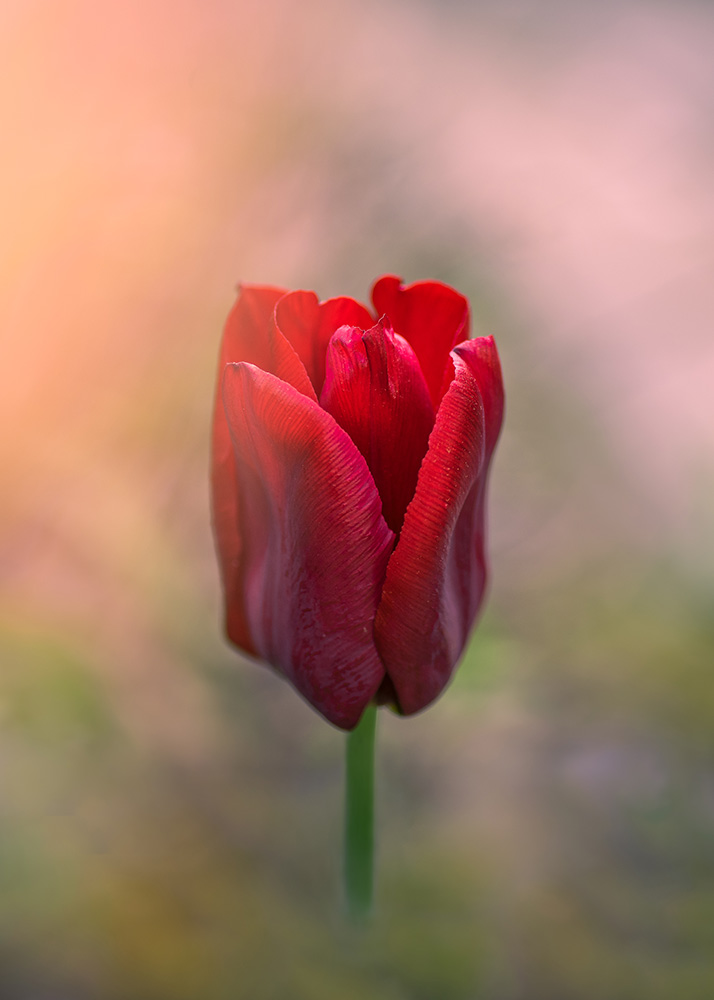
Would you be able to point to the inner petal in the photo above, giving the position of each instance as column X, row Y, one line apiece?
column 433, row 317
column 375, row 389
column 308, row 324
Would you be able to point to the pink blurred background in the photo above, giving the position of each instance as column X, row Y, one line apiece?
column 171, row 815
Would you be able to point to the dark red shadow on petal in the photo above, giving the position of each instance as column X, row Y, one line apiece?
column 316, row 544
column 375, row 390
column 433, row 317
column 436, row 576
column 308, row 325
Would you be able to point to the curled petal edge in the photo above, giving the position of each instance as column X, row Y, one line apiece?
column 436, row 576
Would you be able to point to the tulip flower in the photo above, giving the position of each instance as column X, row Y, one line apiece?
column 350, row 457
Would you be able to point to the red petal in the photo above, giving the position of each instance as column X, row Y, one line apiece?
column 437, row 573
column 249, row 335
column 482, row 358
column 375, row 389
column 308, row 324
column 316, row 544
column 431, row 316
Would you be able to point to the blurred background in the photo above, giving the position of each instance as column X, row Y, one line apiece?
column 170, row 815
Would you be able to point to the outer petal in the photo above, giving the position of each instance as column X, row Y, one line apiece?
column 431, row 316
column 308, row 324
column 482, row 358
column 249, row 335
column 316, row 544
column 375, row 390
column 436, row 576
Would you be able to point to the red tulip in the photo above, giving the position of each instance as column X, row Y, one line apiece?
column 350, row 460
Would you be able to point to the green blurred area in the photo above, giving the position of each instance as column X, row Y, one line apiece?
column 170, row 817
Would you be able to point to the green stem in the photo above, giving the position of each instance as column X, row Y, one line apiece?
column 359, row 816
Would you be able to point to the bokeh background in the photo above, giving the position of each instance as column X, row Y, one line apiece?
column 170, row 815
